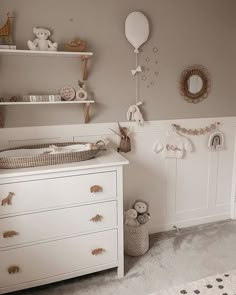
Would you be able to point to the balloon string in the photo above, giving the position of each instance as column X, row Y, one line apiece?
column 136, row 79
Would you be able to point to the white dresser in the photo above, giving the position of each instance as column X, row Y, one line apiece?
column 61, row 222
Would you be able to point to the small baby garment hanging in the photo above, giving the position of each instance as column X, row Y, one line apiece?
column 174, row 146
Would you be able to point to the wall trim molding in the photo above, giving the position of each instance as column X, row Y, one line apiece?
column 165, row 183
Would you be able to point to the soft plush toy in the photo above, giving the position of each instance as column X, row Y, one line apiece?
column 41, row 42
column 143, row 218
column 134, row 113
column 142, row 209
column 141, row 206
column 131, row 217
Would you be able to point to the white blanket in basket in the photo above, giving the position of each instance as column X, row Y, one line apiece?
column 50, row 150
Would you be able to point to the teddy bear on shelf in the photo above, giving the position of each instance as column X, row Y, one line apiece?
column 131, row 217
column 142, row 208
column 42, row 43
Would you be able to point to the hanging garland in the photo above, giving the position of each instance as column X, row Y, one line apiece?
column 199, row 131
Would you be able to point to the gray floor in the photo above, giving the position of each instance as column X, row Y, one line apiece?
column 173, row 259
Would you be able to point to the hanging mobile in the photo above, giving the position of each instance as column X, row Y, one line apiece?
column 216, row 140
column 137, row 32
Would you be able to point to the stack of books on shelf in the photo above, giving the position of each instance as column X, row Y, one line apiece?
column 42, row 98
column 12, row 47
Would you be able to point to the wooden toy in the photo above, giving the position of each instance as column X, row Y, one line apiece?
column 8, row 200
column 5, row 30
column 95, row 189
column 75, row 45
column 9, row 234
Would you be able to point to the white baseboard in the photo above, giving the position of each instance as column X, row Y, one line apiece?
column 188, row 223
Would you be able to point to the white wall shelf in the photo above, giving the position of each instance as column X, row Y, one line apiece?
column 84, row 58
column 45, row 102
column 44, row 53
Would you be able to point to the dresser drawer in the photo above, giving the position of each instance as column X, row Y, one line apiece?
column 57, row 223
column 56, row 192
column 57, row 257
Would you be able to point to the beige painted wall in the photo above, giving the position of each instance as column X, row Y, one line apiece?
column 186, row 32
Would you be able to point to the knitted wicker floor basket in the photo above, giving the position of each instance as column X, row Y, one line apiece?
column 136, row 240
column 49, row 159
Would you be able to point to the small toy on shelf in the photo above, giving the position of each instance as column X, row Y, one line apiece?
column 13, row 99
column 42, row 43
column 75, row 46
column 67, row 93
column 81, row 93
column 6, row 29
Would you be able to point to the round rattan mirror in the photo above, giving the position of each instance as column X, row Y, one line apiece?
column 195, row 84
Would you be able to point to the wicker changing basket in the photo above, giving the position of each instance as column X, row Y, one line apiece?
column 49, row 159
column 136, row 239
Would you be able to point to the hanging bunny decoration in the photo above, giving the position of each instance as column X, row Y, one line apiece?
column 137, row 33
column 134, row 113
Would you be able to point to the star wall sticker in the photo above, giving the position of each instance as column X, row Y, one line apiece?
column 150, row 66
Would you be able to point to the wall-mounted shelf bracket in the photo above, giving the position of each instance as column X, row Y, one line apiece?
column 86, row 112
column 84, row 61
column 1, row 118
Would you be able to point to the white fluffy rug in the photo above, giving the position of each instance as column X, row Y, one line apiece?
column 223, row 284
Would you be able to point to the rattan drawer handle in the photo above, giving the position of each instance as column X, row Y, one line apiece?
column 97, row 218
column 13, row 269
column 98, row 251
column 95, row 189
column 9, row 234
column 8, row 200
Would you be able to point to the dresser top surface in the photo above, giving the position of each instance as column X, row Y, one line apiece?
column 107, row 158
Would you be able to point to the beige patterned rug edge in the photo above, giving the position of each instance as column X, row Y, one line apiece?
column 221, row 284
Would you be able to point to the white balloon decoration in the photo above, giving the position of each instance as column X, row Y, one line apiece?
column 136, row 29
column 137, row 32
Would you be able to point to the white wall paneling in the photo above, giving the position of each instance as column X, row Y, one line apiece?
column 197, row 189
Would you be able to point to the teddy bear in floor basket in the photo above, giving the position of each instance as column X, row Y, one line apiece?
column 136, row 230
